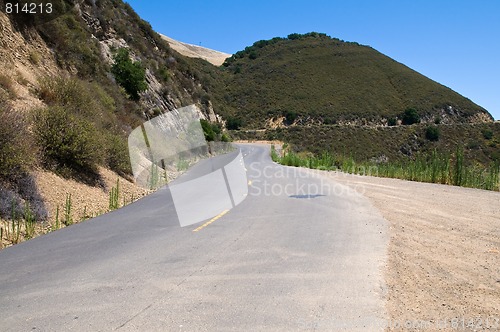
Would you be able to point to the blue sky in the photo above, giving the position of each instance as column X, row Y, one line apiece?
column 456, row 43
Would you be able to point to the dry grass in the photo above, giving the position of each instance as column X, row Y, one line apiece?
column 86, row 202
column 7, row 84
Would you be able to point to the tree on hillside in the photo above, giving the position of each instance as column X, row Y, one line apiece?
column 411, row 116
column 432, row 133
column 130, row 75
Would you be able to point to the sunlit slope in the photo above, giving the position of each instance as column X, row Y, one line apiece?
column 325, row 80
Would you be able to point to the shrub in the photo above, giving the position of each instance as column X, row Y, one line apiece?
column 61, row 91
column 34, row 57
column 487, row 134
column 290, row 116
column 432, row 133
column 117, row 154
column 207, row 130
column 7, row 85
column 88, row 99
column 130, row 75
column 74, row 47
column 233, row 123
column 410, row 116
column 17, row 151
column 68, row 141
column 392, row 122
column 473, row 145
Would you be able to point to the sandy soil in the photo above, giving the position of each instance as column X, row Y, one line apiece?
column 193, row 51
column 91, row 200
column 86, row 201
column 444, row 253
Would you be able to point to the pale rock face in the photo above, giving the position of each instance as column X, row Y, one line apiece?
column 193, row 51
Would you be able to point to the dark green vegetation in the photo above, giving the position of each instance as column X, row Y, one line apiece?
column 410, row 116
column 213, row 132
column 448, row 168
column 16, row 149
column 432, row 133
column 393, row 144
column 130, row 75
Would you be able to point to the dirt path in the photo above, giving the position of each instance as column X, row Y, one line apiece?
column 444, row 252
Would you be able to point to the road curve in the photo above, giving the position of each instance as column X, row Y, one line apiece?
column 301, row 252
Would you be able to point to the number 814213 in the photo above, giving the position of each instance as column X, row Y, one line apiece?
column 28, row 8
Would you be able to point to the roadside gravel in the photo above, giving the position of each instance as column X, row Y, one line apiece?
column 444, row 252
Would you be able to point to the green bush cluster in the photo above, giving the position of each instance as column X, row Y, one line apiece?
column 213, row 132
column 252, row 52
column 233, row 123
column 487, row 134
column 68, row 139
column 290, row 116
column 78, row 131
column 432, row 133
column 129, row 74
column 410, row 116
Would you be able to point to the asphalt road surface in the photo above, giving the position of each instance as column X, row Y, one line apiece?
column 301, row 252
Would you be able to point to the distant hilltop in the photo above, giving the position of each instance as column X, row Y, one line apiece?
column 193, row 51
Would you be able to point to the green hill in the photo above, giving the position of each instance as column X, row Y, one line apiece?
column 313, row 78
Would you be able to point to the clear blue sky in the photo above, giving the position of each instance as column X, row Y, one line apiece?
column 456, row 43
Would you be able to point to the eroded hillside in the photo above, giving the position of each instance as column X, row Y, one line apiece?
column 63, row 113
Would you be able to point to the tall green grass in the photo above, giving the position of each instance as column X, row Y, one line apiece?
column 451, row 169
column 114, row 195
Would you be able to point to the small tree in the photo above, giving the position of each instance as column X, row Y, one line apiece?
column 432, row 133
column 290, row 116
column 130, row 75
column 411, row 116
column 487, row 134
column 208, row 130
column 233, row 123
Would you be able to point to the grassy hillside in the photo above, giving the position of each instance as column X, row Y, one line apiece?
column 313, row 78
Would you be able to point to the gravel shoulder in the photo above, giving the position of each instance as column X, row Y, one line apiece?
column 444, row 251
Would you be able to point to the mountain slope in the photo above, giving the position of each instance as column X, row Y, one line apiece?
column 56, row 79
column 320, row 79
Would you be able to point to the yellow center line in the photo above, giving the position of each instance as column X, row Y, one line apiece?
column 211, row 220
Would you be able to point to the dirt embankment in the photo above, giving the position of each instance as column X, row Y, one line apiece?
column 86, row 201
column 444, row 253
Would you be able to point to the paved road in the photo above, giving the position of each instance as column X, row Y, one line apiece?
column 299, row 253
